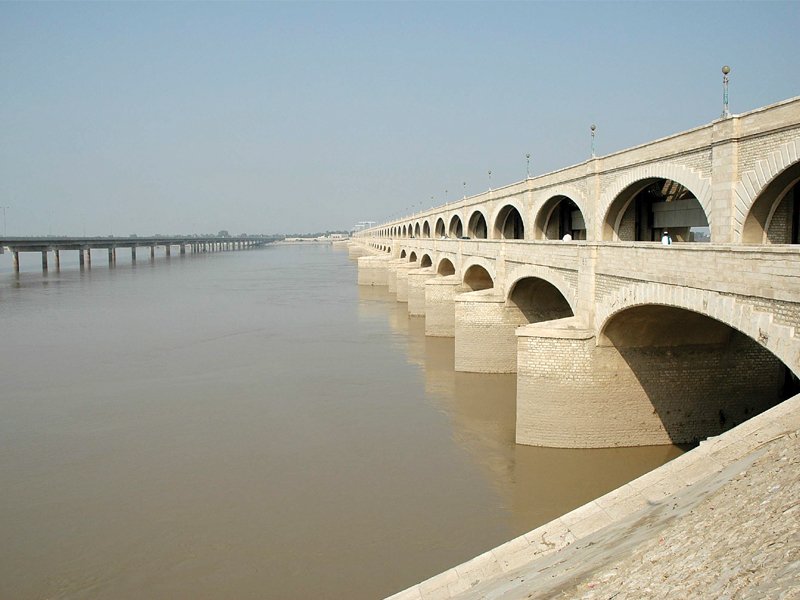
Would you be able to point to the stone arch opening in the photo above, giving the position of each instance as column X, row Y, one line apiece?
column 477, row 278
column 440, row 230
column 775, row 215
column 456, row 229
column 416, row 230
column 402, row 253
column 697, row 375
column 476, row 226
column 426, row 230
column 533, row 299
column 445, row 267
column 558, row 217
column 509, row 224
column 648, row 208
column 404, row 231
column 412, row 257
column 425, row 261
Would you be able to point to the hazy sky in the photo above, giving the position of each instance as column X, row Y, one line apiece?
column 282, row 117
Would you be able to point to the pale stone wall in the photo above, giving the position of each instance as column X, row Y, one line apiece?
column 440, row 316
column 372, row 270
column 416, row 290
column 402, row 281
column 484, row 332
column 572, row 393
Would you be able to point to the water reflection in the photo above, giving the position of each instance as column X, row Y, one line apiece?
column 536, row 484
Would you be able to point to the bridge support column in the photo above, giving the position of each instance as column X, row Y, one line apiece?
column 372, row 270
column 168, row 250
column 44, row 260
column 401, row 274
column 112, row 257
column 391, row 274
column 133, row 254
column 152, row 252
column 574, row 393
column 89, row 258
column 183, row 249
column 80, row 258
column 440, row 312
column 356, row 250
column 484, row 332
column 416, row 290
column 57, row 254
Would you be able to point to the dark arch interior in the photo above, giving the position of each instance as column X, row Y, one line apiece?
column 538, row 300
column 477, row 278
column 456, row 228
column 558, row 217
column 446, row 267
column 647, row 209
column 402, row 253
column 440, row 232
column 476, row 228
column 412, row 257
column 775, row 215
column 701, row 376
column 509, row 225
column 416, row 230
column 426, row 230
column 425, row 262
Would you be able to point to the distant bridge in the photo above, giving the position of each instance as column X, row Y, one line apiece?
column 616, row 339
column 84, row 246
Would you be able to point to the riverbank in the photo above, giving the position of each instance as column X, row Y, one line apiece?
column 720, row 521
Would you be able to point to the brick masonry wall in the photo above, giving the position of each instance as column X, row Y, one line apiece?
column 439, row 306
column 402, row 281
column 780, row 227
column 372, row 270
column 485, row 334
column 758, row 148
column 416, row 290
column 574, row 394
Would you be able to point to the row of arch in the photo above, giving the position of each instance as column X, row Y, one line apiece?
column 642, row 210
column 646, row 332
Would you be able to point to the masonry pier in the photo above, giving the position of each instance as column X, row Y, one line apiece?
column 616, row 339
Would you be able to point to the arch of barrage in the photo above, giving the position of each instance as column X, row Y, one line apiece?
column 616, row 339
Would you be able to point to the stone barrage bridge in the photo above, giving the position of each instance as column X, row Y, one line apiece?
column 617, row 339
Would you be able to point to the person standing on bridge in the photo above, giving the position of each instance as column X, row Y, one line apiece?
column 665, row 239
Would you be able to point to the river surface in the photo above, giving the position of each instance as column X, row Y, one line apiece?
column 253, row 425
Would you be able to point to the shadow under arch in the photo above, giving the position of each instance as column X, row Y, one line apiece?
column 476, row 226
column 560, row 215
column 402, row 253
column 652, row 206
column 533, row 299
column 440, row 230
column 508, row 224
column 425, row 261
column 698, row 376
column 416, row 230
column 477, row 278
column 456, row 228
column 774, row 217
column 445, row 267
column 412, row 257
column 426, row 229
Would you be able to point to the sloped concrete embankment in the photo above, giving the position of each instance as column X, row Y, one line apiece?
column 722, row 520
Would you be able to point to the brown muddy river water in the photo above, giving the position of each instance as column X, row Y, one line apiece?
column 253, row 425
